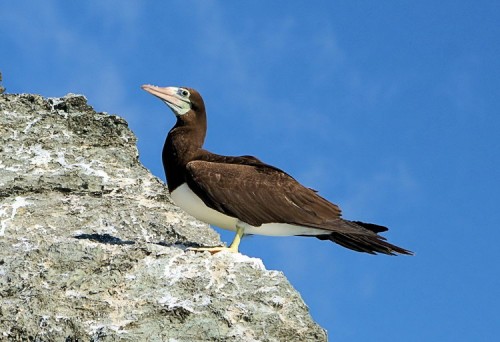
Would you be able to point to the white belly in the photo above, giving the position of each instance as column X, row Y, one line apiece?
column 187, row 200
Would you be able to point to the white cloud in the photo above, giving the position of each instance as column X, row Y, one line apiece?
column 460, row 86
column 75, row 50
column 369, row 193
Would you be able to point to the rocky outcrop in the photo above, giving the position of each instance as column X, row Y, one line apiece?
column 92, row 248
column 2, row 89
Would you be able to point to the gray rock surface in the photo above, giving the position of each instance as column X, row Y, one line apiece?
column 92, row 248
column 2, row 89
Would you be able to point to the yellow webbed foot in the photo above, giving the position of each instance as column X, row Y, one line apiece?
column 240, row 231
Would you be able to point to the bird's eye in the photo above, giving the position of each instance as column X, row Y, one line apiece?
column 184, row 92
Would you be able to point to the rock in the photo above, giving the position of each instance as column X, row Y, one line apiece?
column 2, row 89
column 92, row 248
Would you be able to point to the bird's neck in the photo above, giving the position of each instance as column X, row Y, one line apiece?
column 182, row 145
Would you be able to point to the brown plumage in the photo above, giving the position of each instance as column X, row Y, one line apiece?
column 249, row 190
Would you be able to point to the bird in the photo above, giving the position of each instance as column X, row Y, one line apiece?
column 244, row 194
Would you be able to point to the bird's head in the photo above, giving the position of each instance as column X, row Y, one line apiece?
column 181, row 100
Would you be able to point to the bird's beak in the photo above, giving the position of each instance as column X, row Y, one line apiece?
column 166, row 94
column 172, row 96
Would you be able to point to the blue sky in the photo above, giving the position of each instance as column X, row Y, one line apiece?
column 390, row 110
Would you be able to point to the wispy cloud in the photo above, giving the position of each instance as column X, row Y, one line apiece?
column 460, row 86
column 369, row 194
column 78, row 60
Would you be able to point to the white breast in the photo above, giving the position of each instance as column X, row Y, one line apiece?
column 187, row 200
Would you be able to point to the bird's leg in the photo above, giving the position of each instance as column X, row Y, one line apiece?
column 240, row 231
column 233, row 247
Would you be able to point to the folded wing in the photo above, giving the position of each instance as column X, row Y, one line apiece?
column 256, row 193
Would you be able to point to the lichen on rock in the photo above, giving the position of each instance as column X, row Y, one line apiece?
column 92, row 248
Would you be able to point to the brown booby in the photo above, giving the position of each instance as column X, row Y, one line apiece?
column 245, row 195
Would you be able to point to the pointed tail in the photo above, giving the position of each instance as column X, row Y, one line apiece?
column 367, row 240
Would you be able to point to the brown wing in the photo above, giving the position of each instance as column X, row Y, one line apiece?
column 256, row 194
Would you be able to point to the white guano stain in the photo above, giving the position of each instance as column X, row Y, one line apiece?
column 19, row 202
column 41, row 156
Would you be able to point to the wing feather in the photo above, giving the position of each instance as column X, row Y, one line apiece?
column 257, row 194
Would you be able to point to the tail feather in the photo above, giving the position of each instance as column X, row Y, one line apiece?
column 370, row 226
column 367, row 240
